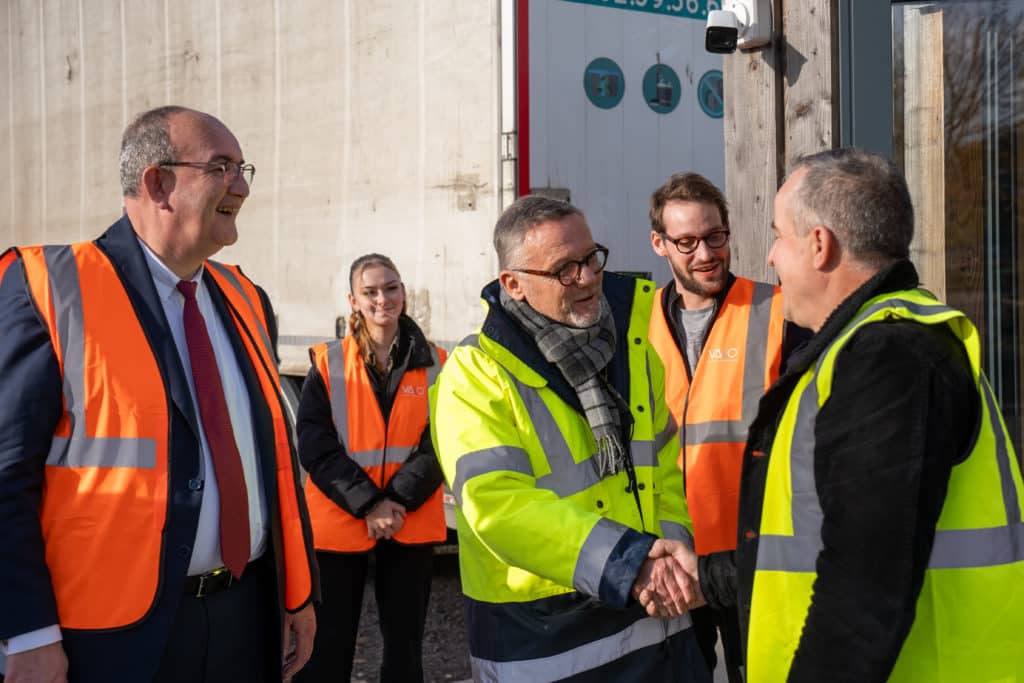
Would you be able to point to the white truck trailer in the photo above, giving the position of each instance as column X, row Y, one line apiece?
column 375, row 125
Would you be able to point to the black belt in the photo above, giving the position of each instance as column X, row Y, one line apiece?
column 206, row 584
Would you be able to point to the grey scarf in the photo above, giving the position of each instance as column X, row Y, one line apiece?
column 580, row 354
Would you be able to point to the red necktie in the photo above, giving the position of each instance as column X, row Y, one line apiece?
column 227, row 463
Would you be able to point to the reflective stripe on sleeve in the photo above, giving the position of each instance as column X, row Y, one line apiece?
column 593, row 557
column 497, row 459
column 675, row 531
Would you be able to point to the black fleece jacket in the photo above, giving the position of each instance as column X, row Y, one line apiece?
column 903, row 411
column 326, row 459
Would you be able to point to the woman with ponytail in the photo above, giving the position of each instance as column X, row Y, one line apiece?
column 374, row 480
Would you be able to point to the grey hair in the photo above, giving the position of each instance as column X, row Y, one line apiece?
column 862, row 197
column 522, row 215
column 146, row 142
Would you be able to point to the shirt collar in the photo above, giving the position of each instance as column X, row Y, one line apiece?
column 163, row 277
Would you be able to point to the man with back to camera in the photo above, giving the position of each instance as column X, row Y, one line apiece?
column 880, row 515
column 722, row 339
column 553, row 433
column 153, row 529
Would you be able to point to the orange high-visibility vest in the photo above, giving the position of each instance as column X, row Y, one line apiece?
column 739, row 361
column 6, row 259
column 106, row 476
column 379, row 448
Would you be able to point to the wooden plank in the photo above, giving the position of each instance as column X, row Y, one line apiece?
column 811, row 84
column 924, row 143
column 753, row 152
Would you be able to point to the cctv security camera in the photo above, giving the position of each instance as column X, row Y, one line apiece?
column 740, row 23
column 722, row 32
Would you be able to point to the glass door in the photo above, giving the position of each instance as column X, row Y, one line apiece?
column 957, row 132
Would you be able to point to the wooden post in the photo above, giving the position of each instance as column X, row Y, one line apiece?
column 753, row 152
column 924, row 142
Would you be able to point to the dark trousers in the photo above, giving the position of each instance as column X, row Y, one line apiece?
column 707, row 624
column 228, row 636
column 402, row 588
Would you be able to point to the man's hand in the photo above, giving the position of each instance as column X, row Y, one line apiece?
column 46, row 664
column 686, row 562
column 299, row 630
column 385, row 519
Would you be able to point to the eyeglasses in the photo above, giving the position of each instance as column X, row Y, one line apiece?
column 229, row 170
column 689, row 243
column 569, row 273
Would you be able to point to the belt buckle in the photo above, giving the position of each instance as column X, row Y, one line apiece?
column 206, row 578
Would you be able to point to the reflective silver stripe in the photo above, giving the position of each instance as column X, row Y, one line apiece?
column 638, row 635
column 377, row 456
column 676, row 532
column 81, row 450
column 498, row 459
column 1010, row 501
column 798, row 553
column 788, row 553
column 567, row 477
column 102, row 452
column 644, row 453
column 435, row 369
column 65, row 288
column 755, row 356
column 229, row 275
column 716, row 431
column 593, row 557
column 952, row 548
column 756, row 352
column 666, row 435
column 339, row 392
column 961, row 548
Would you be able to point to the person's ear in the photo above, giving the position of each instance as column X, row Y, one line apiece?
column 825, row 248
column 352, row 301
column 512, row 284
column 658, row 243
column 157, row 186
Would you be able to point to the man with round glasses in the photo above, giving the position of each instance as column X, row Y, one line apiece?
column 552, row 430
column 153, row 525
column 721, row 338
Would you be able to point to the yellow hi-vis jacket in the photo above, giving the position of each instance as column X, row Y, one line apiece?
column 970, row 613
column 544, row 543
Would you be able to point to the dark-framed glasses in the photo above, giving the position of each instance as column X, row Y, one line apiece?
column 228, row 170
column 569, row 272
column 689, row 243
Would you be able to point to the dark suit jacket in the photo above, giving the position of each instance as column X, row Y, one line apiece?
column 30, row 396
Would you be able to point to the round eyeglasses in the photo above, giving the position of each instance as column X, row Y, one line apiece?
column 229, row 170
column 569, row 272
column 688, row 244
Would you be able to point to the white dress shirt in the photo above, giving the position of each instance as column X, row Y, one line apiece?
column 206, row 549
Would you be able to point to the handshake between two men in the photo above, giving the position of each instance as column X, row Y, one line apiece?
column 667, row 584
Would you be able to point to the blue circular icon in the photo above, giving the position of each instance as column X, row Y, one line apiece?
column 710, row 94
column 604, row 83
column 661, row 89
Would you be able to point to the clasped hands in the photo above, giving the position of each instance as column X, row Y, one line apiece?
column 385, row 519
column 667, row 585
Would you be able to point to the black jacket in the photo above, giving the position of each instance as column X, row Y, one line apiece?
column 326, row 460
column 903, row 411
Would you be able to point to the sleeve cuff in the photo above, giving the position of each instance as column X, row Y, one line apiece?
column 609, row 561
column 32, row 640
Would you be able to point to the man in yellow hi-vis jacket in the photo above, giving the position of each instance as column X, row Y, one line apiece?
column 553, row 433
column 880, row 522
